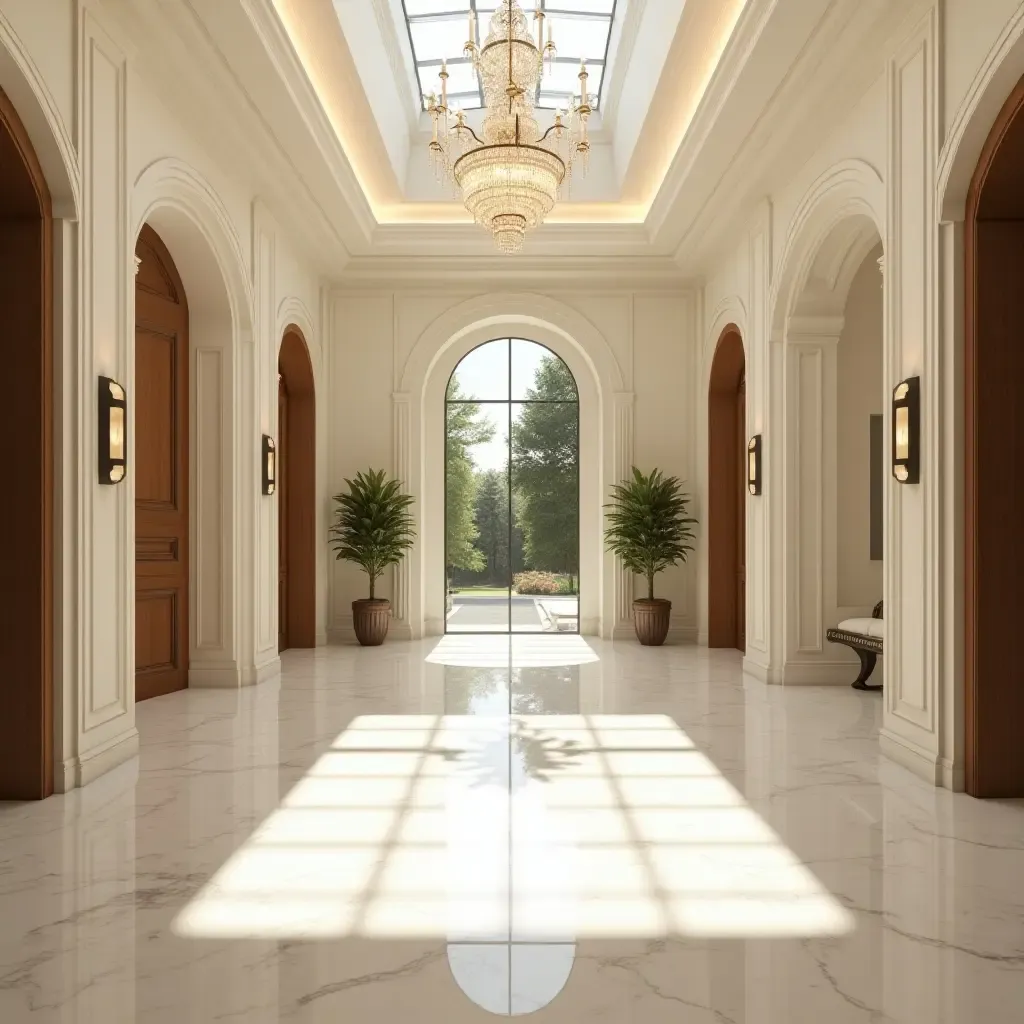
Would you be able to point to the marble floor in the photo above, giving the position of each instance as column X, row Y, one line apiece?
column 451, row 830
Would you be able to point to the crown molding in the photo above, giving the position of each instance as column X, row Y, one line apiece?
column 624, row 273
column 469, row 240
column 795, row 121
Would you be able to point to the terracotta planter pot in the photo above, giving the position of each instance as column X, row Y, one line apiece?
column 651, row 619
column 371, row 617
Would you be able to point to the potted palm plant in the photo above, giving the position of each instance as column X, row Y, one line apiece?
column 373, row 528
column 647, row 527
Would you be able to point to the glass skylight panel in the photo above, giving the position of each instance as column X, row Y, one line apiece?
column 438, row 30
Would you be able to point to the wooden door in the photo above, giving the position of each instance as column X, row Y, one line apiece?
column 161, row 472
column 741, row 517
column 26, row 512
column 283, row 524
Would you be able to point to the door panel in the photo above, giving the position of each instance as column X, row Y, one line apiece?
column 283, row 525
column 741, row 517
column 161, row 473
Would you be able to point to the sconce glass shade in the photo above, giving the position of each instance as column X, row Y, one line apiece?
column 269, row 464
column 754, row 464
column 112, row 431
column 906, row 455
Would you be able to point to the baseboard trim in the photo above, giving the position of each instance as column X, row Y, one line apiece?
column 819, row 673
column 953, row 776
column 321, row 639
column 756, row 669
column 214, row 675
column 75, row 772
column 921, row 762
column 702, row 638
column 270, row 669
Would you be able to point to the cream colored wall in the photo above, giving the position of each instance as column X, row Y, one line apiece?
column 91, row 108
column 649, row 337
column 859, row 396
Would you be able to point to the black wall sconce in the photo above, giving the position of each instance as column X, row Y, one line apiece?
column 269, row 464
column 754, row 464
column 906, row 437
column 113, row 431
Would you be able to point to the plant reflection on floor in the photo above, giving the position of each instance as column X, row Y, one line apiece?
column 510, row 758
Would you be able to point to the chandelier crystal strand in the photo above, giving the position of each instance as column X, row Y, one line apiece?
column 511, row 178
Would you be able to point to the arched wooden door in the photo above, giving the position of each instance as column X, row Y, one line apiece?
column 296, row 494
column 161, row 472
column 26, row 512
column 726, row 522
column 994, row 460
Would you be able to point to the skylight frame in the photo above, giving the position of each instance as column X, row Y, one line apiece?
column 458, row 100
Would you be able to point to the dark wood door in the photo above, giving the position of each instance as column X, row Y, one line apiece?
column 283, row 524
column 741, row 517
column 161, row 472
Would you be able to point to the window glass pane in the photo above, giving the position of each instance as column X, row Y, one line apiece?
column 538, row 374
column 438, row 40
column 438, row 30
column 417, row 7
column 545, row 507
column 476, row 517
column 482, row 374
column 578, row 37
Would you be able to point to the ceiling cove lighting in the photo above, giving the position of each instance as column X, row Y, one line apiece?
column 511, row 178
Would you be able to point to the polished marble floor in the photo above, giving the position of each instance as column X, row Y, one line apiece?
column 450, row 830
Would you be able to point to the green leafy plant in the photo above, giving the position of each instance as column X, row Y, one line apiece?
column 372, row 524
column 647, row 525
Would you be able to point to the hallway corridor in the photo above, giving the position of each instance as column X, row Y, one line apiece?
column 443, row 831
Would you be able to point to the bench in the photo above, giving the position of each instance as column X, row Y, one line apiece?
column 865, row 636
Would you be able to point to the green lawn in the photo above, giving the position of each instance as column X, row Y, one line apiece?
column 482, row 591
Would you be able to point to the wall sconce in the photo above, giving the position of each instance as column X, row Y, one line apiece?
column 112, row 433
column 269, row 464
column 754, row 464
column 906, row 438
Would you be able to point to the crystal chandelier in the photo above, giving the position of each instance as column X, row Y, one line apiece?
column 512, row 177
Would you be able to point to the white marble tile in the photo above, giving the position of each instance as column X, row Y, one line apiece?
column 575, row 830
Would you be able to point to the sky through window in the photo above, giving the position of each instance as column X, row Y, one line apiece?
column 438, row 30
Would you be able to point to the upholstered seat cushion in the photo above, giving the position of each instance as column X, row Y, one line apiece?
column 866, row 627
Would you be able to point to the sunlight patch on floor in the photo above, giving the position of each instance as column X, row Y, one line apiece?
column 530, row 828
column 551, row 650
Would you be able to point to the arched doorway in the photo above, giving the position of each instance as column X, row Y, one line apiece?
column 296, row 494
column 512, row 484
column 994, row 460
column 161, row 469
column 727, row 458
column 26, row 513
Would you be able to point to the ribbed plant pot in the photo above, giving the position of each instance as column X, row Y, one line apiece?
column 650, row 619
column 371, row 617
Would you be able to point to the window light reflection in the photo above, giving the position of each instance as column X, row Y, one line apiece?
column 629, row 831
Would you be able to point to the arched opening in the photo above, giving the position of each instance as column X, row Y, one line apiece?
column 161, row 469
column 26, row 513
column 994, row 460
column 833, row 464
column 727, row 451
column 296, row 494
column 512, row 485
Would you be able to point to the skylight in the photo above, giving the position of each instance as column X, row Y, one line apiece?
column 438, row 31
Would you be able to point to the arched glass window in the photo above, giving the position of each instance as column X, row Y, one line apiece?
column 512, row 551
